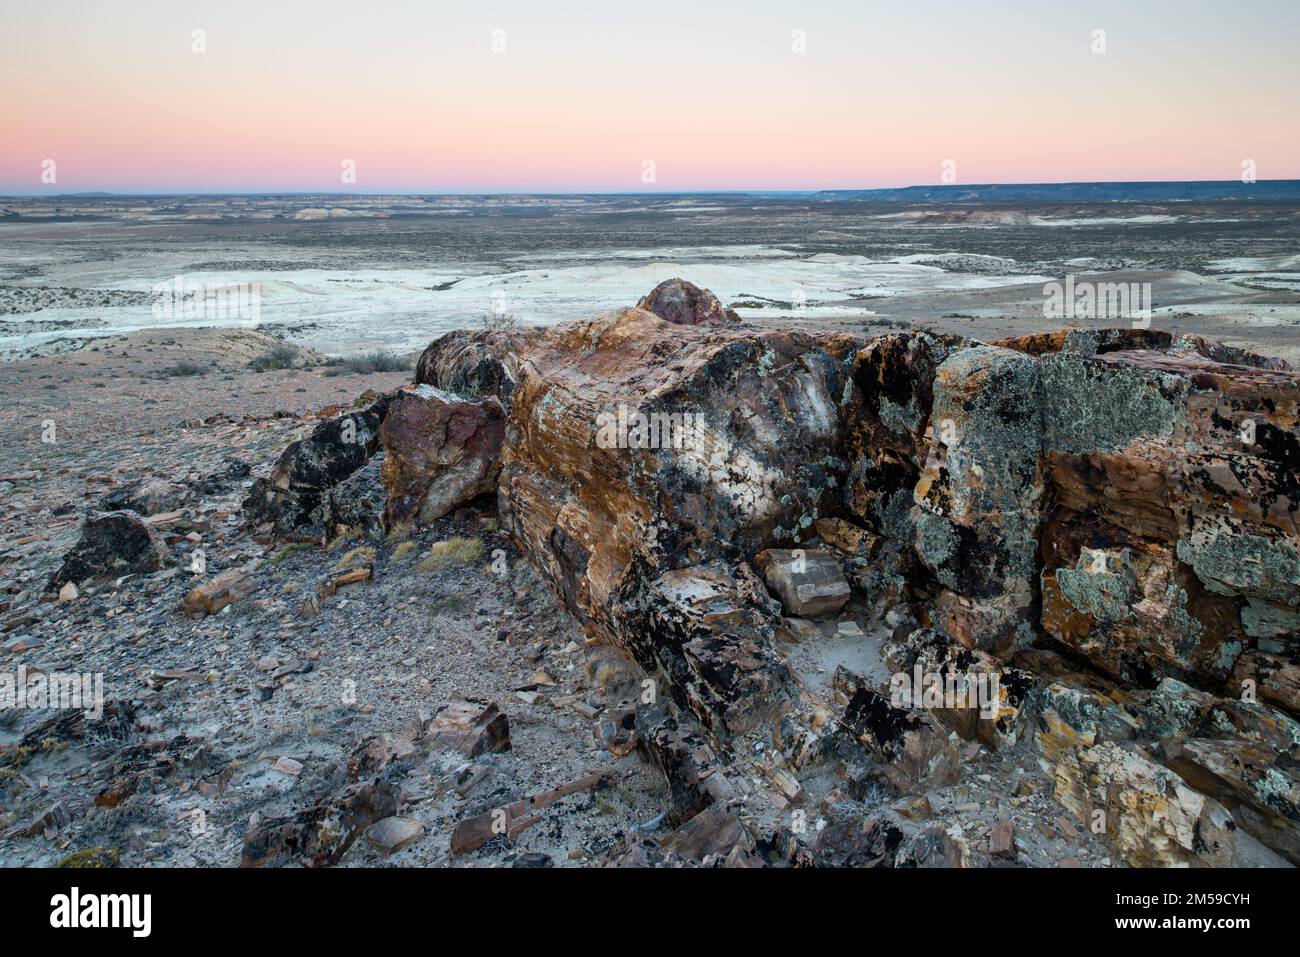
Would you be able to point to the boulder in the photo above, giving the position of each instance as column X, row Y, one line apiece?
column 441, row 452
column 112, row 544
column 474, row 364
column 810, row 583
column 685, row 304
column 305, row 472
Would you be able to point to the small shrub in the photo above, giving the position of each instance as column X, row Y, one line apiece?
column 287, row 551
column 185, row 368
column 367, row 362
column 499, row 321
column 465, row 550
column 280, row 356
column 402, row 550
column 356, row 558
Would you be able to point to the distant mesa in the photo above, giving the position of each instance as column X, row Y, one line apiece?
column 1278, row 190
column 686, row 304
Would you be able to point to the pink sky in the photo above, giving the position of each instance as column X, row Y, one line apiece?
column 582, row 95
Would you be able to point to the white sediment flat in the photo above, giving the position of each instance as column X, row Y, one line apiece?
column 342, row 310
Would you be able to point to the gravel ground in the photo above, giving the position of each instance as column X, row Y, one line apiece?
column 275, row 693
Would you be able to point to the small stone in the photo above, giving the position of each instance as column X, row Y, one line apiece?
column 1002, row 840
column 68, row 593
column 801, row 629
column 22, row 643
column 394, row 833
column 288, row 766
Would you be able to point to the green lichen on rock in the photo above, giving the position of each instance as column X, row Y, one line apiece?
column 936, row 542
column 905, row 420
column 1242, row 563
column 1263, row 619
column 1105, row 592
column 1173, row 708
column 1100, row 407
column 1184, row 625
column 1084, row 342
column 1229, row 652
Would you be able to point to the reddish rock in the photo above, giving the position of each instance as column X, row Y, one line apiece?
column 219, row 591
column 1276, row 679
column 442, row 451
column 469, row 728
column 1173, row 542
column 685, row 304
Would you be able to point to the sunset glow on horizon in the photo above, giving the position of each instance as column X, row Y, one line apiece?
column 576, row 97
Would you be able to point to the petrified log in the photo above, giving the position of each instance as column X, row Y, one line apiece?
column 914, row 749
column 1176, row 482
column 469, row 728
column 320, row 835
column 219, row 591
column 637, row 448
column 355, row 506
column 1151, row 816
column 1128, row 497
column 970, row 467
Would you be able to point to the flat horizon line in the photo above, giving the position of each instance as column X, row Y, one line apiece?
column 756, row 191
